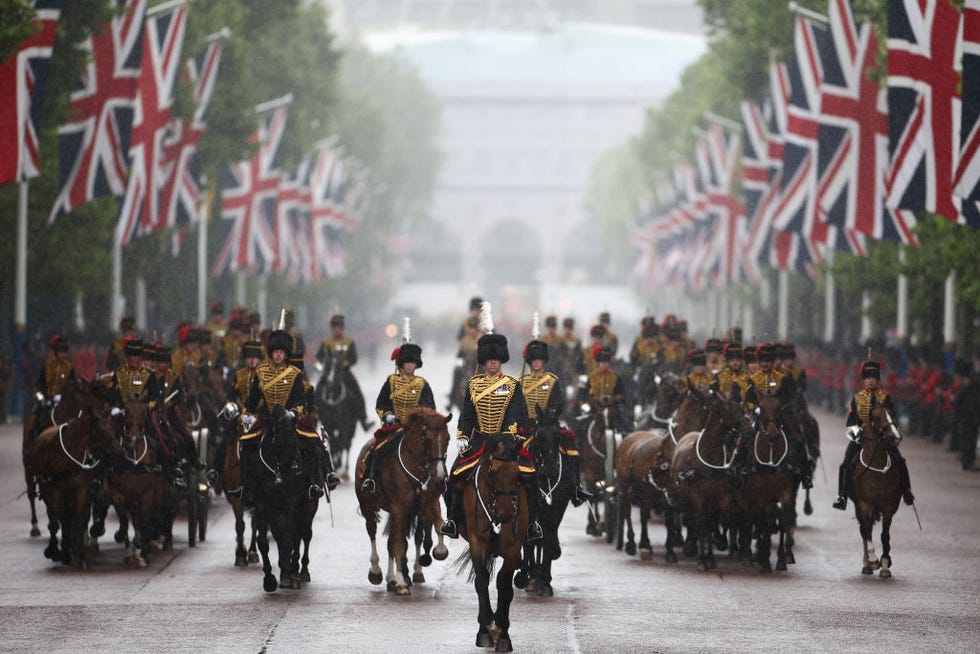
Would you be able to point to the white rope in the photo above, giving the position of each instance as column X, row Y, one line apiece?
column 548, row 494
column 495, row 526
column 136, row 461
column 724, row 455
column 888, row 463
column 755, row 450
column 422, row 484
column 85, row 457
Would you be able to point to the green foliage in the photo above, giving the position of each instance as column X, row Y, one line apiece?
column 15, row 25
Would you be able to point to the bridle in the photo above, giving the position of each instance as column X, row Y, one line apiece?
column 491, row 511
column 424, row 452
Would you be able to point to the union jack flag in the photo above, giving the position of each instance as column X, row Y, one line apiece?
column 141, row 211
column 22, row 81
column 967, row 178
column 326, row 219
column 293, row 226
column 762, row 159
column 923, row 105
column 93, row 147
column 250, row 192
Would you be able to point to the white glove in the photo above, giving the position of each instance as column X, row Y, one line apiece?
column 248, row 421
column 586, row 408
column 39, row 396
column 116, row 411
column 230, row 410
column 389, row 418
column 290, row 414
column 853, row 432
column 462, row 444
column 57, row 398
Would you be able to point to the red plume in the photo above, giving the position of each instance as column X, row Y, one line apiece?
column 395, row 353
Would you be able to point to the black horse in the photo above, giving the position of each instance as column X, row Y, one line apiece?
column 338, row 410
column 556, row 483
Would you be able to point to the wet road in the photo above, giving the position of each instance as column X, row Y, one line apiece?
column 195, row 600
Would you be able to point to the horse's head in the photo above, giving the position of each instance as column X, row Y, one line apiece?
column 433, row 432
column 771, row 413
column 82, row 399
column 133, row 434
column 725, row 417
column 547, row 438
column 669, row 395
column 503, row 477
column 882, row 423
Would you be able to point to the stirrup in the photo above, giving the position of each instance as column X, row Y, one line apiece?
column 315, row 492
column 367, row 485
column 332, row 480
column 212, row 476
column 840, row 503
column 180, row 482
column 534, row 531
column 908, row 497
column 448, row 528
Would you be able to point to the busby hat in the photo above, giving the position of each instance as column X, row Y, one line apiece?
column 713, row 345
column 535, row 350
column 409, row 353
column 162, row 353
column 133, row 347
column 59, row 343
column 568, row 323
column 600, row 353
column 597, row 331
column 492, row 346
column 475, row 303
column 604, row 318
column 697, row 357
column 217, row 307
column 735, row 334
column 251, row 349
column 870, row 368
column 337, row 320
column 734, row 351
column 551, row 321
column 764, row 352
column 280, row 340
column 749, row 354
column 149, row 351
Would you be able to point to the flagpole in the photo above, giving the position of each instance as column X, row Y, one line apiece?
column 829, row 300
column 115, row 314
column 202, row 251
column 20, row 301
column 807, row 13
column 166, row 6
column 782, row 325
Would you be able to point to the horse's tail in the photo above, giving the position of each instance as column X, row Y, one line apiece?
column 464, row 563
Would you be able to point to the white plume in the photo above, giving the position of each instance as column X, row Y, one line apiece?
column 407, row 330
column 486, row 317
column 536, row 326
column 282, row 319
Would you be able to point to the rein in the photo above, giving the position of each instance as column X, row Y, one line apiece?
column 888, row 461
column 770, row 463
column 552, row 487
column 423, row 485
column 146, row 448
column 86, row 456
column 494, row 525
column 726, row 462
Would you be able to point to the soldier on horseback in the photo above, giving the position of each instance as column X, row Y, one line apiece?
column 51, row 380
column 732, row 381
column 241, row 383
column 858, row 423
column 646, row 348
column 493, row 404
column 312, row 447
column 605, row 388
column 698, row 377
column 341, row 348
column 276, row 393
column 543, row 390
column 401, row 392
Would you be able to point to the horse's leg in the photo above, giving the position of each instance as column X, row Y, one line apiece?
column 261, row 528
column 48, row 497
column 886, row 547
column 253, row 553
column 285, row 542
column 433, row 514
column 764, row 540
column 371, row 526
column 592, row 527
column 481, row 582
column 870, row 559
column 531, row 559
column 397, row 550
column 307, row 538
column 672, row 525
column 420, row 533
column 501, row 617
column 241, row 556
column 624, row 515
column 644, row 546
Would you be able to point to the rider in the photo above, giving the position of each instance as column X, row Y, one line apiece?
column 401, row 392
column 276, row 393
column 543, row 390
column 697, row 375
column 312, row 449
column 609, row 340
column 51, row 380
column 858, row 422
column 494, row 403
column 713, row 350
column 732, row 382
column 646, row 348
column 127, row 331
column 342, row 348
column 251, row 356
column 605, row 388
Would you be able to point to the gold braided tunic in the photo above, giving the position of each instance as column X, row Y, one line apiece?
column 861, row 407
column 727, row 380
column 55, row 376
column 242, row 384
column 132, row 383
column 645, row 350
column 405, row 395
column 488, row 408
column 699, row 381
column 602, row 382
column 538, row 391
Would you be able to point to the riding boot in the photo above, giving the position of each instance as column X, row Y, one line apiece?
column 581, row 494
column 368, row 484
column 326, row 465
column 843, row 485
column 534, row 531
column 454, row 506
column 903, row 475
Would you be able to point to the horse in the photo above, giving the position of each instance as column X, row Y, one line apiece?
column 496, row 507
column 338, row 414
column 666, row 399
column 700, row 474
column 231, row 479
column 408, row 480
column 139, row 488
column 279, row 490
column 876, row 489
column 598, row 441
column 768, row 497
column 636, row 486
column 556, row 484
column 62, row 461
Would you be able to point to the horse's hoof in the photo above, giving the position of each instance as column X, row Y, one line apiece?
column 35, row 532
column 425, row 560
column 521, row 580
column 269, row 584
column 885, row 573
column 808, row 508
column 50, row 552
column 867, row 570
column 374, row 577
column 630, row 549
column 645, row 555
column 532, row 586
column 403, row 590
column 765, row 566
column 790, row 558
column 119, row 536
column 440, row 552
column 253, row 557
column 545, row 590
column 141, row 563
column 483, row 639
column 503, row 645
column 96, row 530
column 670, row 557
column 304, row 576
column 391, row 586
column 721, row 542
column 702, row 566
column 241, row 562
column 418, row 578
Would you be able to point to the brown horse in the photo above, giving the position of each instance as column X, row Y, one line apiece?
column 768, row 498
column 140, row 490
column 231, row 479
column 633, row 488
column 496, row 508
column 62, row 461
column 409, row 475
column 700, row 473
column 876, row 490
column 598, row 440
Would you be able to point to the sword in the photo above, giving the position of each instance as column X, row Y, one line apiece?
column 916, row 511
